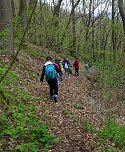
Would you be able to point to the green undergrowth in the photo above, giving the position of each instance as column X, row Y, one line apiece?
column 110, row 81
column 111, row 73
column 111, row 150
column 88, row 126
column 112, row 132
column 36, row 53
column 21, row 129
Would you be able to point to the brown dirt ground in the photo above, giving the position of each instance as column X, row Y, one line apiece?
column 65, row 118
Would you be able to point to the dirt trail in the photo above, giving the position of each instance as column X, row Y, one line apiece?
column 64, row 118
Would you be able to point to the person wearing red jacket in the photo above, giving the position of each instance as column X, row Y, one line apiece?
column 76, row 65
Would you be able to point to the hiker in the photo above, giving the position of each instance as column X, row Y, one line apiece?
column 66, row 65
column 88, row 66
column 50, row 70
column 76, row 65
column 61, row 66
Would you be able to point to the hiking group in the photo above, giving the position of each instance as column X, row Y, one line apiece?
column 54, row 74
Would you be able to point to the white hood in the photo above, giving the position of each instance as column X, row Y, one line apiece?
column 48, row 62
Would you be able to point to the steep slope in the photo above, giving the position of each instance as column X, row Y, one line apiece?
column 66, row 117
column 74, row 118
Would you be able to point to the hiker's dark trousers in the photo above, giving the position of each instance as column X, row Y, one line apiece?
column 76, row 71
column 53, row 85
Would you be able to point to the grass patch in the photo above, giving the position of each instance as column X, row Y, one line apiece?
column 78, row 106
column 111, row 150
column 36, row 53
column 69, row 114
column 111, row 75
column 113, row 132
column 88, row 126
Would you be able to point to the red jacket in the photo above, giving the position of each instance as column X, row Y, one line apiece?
column 76, row 64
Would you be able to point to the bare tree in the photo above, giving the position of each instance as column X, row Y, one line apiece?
column 23, row 13
column 57, row 8
column 113, row 29
column 73, row 26
column 6, row 33
column 121, row 4
column 13, row 7
column 66, row 28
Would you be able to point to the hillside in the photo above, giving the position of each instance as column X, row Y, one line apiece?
column 66, row 117
column 75, row 119
column 90, row 113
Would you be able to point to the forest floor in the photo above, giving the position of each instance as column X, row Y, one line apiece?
column 66, row 118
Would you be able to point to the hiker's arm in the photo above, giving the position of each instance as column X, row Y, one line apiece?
column 70, row 64
column 79, row 64
column 42, row 74
column 57, row 69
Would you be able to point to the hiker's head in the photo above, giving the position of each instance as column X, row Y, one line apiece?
column 48, row 58
column 56, row 60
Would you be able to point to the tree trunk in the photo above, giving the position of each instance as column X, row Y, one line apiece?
column 6, row 33
column 23, row 13
column 121, row 5
column 75, row 5
column 57, row 8
column 113, row 30
column 55, row 23
column 73, row 29
column 13, row 8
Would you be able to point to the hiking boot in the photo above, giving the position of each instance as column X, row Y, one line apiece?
column 55, row 98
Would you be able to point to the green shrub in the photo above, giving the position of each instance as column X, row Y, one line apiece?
column 26, row 128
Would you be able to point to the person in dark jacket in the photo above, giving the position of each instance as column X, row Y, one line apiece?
column 76, row 65
column 66, row 65
column 50, row 70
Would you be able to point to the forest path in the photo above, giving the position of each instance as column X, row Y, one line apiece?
column 79, row 102
column 64, row 118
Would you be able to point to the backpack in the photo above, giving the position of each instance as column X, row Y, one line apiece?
column 86, row 67
column 57, row 65
column 61, row 65
column 50, row 71
column 90, row 65
column 66, row 65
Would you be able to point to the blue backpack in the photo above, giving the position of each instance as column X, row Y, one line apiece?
column 66, row 65
column 50, row 71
